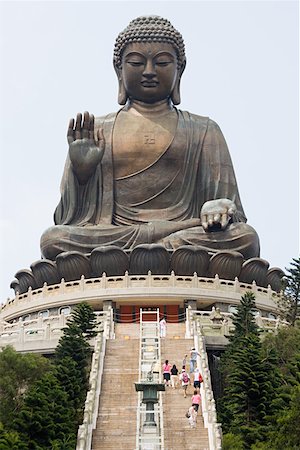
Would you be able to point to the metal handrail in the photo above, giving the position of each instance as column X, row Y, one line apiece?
column 149, row 355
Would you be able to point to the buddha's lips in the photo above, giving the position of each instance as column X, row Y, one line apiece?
column 149, row 83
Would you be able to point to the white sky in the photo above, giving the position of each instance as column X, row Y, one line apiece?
column 242, row 71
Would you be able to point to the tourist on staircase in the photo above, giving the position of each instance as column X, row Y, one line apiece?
column 167, row 372
column 184, row 361
column 192, row 416
column 174, row 376
column 196, row 400
column 197, row 378
column 185, row 381
column 163, row 327
column 193, row 359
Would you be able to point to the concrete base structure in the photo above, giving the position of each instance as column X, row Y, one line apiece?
column 33, row 321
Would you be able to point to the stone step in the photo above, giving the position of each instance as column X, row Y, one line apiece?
column 177, row 430
column 116, row 422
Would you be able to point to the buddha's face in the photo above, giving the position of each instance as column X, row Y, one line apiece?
column 149, row 71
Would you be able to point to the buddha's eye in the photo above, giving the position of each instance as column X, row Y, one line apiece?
column 135, row 63
column 163, row 63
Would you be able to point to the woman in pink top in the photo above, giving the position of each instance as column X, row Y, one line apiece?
column 196, row 399
column 167, row 372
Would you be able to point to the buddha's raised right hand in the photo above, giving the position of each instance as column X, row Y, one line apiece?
column 84, row 150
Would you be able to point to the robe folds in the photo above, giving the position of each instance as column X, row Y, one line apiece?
column 159, row 204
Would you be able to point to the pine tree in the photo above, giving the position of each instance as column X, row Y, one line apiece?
column 250, row 380
column 11, row 440
column 282, row 432
column 70, row 380
column 85, row 318
column 73, row 356
column 292, row 291
column 46, row 415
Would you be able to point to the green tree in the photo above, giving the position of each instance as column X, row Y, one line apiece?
column 70, row 379
column 282, row 433
column 86, row 320
column 73, row 356
column 47, row 399
column 286, row 342
column 232, row 442
column 289, row 302
column 250, row 378
column 11, row 440
column 17, row 373
column 45, row 416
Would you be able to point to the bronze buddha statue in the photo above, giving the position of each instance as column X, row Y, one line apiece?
column 149, row 173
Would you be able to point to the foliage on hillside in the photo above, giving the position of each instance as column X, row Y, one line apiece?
column 289, row 303
column 249, row 378
column 17, row 373
column 260, row 407
column 47, row 399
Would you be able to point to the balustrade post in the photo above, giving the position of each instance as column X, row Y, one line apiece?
column 82, row 283
column 126, row 279
column 62, row 286
column 195, row 280
column 254, row 287
column 236, row 285
column 172, row 278
column 47, row 332
column 104, row 283
column 217, row 282
column 149, row 279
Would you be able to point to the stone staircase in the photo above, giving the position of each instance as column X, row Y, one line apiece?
column 178, row 434
column 127, row 330
column 116, row 423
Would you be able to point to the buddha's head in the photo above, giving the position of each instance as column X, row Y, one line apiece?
column 149, row 59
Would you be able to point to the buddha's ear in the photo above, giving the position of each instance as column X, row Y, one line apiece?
column 175, row 96
column 122, row 95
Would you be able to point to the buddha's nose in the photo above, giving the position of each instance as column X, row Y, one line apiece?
column 149, row 71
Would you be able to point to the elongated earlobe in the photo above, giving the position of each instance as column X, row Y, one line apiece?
column 122, row 95
column 175, row 96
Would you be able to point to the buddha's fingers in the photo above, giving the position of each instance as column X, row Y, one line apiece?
column 210, row 220
column 224, row 220
column 70, row 132
column 78, row 126
column 91, row 127
column 100, row 138
column 217, row 218
column 85, row 125
column 204, row 222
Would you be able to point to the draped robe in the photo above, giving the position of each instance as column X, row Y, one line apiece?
column 159, row 204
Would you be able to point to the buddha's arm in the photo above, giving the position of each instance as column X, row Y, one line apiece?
column 84, row 151
column 222, row 203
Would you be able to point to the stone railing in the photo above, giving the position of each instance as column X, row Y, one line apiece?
column 85, row 431
column 41, row 334
column 216, row 323
column 207, row 397
column 132, row 286
column 38, row 335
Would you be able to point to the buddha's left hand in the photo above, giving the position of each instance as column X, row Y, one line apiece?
column 217, row 213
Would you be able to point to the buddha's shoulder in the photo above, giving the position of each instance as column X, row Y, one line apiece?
column 201, row 120
column 99, row 120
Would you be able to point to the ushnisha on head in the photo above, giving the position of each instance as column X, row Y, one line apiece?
column 149, row 29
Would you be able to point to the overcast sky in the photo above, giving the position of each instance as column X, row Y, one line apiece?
column 242, row 71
